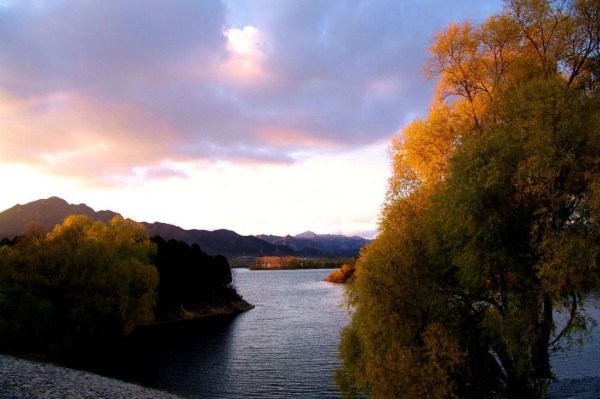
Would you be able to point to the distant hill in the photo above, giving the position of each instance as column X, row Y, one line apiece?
column 224, row 242
column 47, row 212
column 52, row 211
column 327, row 245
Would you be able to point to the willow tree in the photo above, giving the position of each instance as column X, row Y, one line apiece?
column 491, row 224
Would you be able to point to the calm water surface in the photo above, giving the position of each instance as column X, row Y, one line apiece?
column 286, row 347
column 578, row 370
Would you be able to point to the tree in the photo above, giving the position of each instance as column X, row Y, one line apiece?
column 88, row 280
column 491, row 222
column 190, row 279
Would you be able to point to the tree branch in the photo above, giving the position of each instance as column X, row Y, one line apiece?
column 569, row 322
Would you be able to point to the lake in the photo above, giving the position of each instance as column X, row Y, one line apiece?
column 578, row 370
column 284, row 348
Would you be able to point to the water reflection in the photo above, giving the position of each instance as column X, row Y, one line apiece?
column 187, row 358
column 285, row 347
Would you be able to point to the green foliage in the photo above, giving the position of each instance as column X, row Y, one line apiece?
column 80, row 288
column 491, row 226
column 26, row 322
column 83, row 281
column 392, row 347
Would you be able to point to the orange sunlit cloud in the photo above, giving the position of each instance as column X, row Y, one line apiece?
column 70, row 134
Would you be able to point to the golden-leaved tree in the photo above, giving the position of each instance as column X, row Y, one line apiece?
column 85, row 280
column 491, row 224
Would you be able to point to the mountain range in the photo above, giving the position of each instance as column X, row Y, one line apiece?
column 311, row 244
column 52, row 211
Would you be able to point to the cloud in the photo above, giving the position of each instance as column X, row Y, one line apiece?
column 104, row 89
column 244, row 65
column 103, row 46
column 72, row 135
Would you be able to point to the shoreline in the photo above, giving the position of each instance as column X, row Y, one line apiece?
column 39, row 375
column 185, row 315
column 291, row 268
column 22, row 378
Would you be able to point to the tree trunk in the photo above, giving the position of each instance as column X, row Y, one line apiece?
column 540, row 355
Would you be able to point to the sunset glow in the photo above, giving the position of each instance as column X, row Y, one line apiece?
column 260, row 117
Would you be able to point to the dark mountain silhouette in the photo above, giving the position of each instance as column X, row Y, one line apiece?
column 47, row 213
column 224, row 242
column 327, row 245
column 52, row 211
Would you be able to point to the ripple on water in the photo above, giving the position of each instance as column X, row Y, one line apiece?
column 578, row 369
column 287, row 346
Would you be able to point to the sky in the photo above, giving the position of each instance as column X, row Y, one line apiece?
column 258, row 116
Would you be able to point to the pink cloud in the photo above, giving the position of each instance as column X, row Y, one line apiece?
column 71, row 134
column 95, row 89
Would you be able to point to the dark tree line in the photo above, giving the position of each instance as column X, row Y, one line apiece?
column 190, row 278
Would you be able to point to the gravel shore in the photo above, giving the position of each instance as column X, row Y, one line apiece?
column 23, row 379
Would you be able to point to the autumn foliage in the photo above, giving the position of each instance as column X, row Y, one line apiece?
column 275, row 262
column 293, row 262
column 84, row 281
column 87, row 284
column 491, row 222
column 341, row 275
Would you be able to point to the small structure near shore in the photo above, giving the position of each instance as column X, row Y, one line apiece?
column 292, row 263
